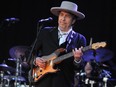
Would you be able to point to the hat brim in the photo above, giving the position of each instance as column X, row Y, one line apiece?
column 56, row 10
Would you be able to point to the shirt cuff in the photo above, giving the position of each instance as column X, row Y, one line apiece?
column 34, row 63
column 77, row 61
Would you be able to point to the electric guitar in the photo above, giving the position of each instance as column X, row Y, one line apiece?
column 53, row 59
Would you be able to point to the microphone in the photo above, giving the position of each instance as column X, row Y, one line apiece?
column 45, row 20
column 13, row 20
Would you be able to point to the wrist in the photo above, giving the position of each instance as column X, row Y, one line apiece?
column 34, row 63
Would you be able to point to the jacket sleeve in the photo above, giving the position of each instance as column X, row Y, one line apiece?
column 80, row 41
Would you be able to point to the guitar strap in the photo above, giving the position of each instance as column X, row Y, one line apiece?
column 71, row 40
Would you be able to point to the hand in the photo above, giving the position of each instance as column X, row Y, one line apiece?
column 77, row 54
column 40, row 62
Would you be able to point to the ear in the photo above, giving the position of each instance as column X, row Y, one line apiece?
column 74, row 20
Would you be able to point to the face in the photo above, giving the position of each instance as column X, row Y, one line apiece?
column 88, row 68
column 65, row 20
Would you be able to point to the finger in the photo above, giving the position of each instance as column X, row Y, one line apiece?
column 73, row 50
column 42, row 60
column 76, row 49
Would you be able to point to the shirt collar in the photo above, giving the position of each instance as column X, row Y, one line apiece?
column 65, row 32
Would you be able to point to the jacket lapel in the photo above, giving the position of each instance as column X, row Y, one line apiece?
column 54, row 36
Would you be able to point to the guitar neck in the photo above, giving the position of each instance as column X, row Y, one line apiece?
column 86, row 48
column 68, row 55
column 63, row 57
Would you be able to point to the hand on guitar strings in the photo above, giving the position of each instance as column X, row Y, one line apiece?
column 40, row 62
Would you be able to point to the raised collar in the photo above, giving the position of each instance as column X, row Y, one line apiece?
column 63, row 33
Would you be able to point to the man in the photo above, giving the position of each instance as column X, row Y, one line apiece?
column 50, row 42
column 90, row 75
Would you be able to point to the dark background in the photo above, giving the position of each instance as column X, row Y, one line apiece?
column 99, row 23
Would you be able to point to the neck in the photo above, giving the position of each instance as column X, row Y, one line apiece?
column 65, row 30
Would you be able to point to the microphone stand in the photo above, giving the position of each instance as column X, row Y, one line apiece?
column 17, row 72
column 1, row 24
column 31, row 55
column 2, row 78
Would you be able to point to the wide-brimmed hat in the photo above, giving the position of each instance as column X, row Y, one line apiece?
column 69, row 7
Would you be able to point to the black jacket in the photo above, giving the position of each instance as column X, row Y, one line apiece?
column 47, row 43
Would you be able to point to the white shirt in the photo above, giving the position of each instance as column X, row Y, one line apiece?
column 63, row 35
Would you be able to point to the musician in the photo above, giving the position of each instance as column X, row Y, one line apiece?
column 89, row 75
column 62, row 36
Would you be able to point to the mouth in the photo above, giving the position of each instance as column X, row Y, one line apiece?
column 88, row 69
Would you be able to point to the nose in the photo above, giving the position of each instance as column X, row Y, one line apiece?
column 63, row 18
